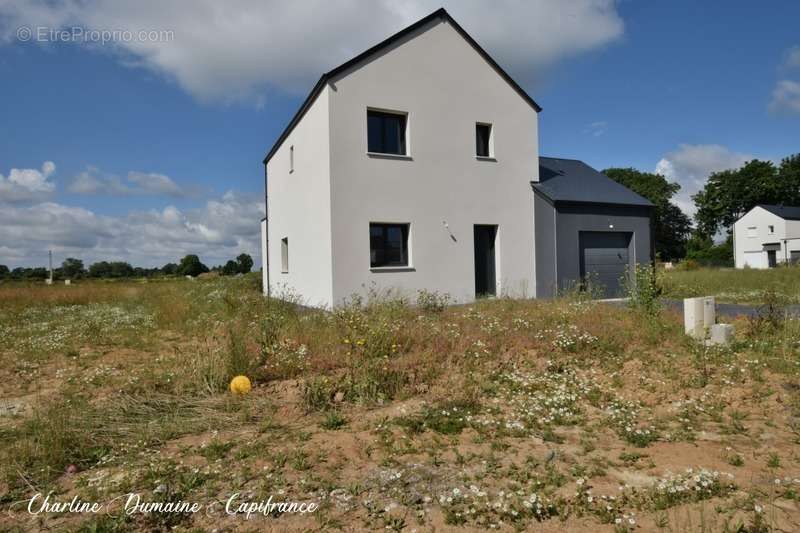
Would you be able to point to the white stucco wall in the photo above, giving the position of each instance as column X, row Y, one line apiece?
column 792, row 229
column 264, row 260
column 749, row 250
column 299, row 208
column 445, row 86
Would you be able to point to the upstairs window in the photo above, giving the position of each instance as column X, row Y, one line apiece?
column 388, row 245
column 751, row 232
column 483, row 140
column 386, row 133
column 291, row 159
column 771, row 229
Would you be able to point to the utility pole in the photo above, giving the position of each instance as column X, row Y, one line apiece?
column 50, row 253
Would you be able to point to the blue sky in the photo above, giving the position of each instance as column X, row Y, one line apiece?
column 145, row 151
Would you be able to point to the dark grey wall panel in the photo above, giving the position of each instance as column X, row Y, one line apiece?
column 545, row 249
column 574, row 218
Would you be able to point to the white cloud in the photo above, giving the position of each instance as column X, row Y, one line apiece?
column 792, row 59
column 27, row 184
column 690, row 166
column 92, row 181
column 786, row 94
column 596, row 129
column 217, row 231
column 785, row 97
column 237, row 50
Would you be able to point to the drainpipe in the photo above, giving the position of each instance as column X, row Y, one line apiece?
column 266, row 232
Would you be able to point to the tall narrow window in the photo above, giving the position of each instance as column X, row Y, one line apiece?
column 285, row 255
column 483, row 140
column 388, row 245
column 291, row 158
column 386, row 133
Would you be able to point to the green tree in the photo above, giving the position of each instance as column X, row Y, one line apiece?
column 191, row 266
column 120, row 269
column 729, row 194
column 230, row 268
column 35, row 273
column 789, row 177
column 100, row 269
column 703, row 250
column 245, row 263
column 4, row 272
column 671, row 227
column 170, row 269
column 72, row 268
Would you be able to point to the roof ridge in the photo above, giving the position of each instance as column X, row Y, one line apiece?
column 439, row 13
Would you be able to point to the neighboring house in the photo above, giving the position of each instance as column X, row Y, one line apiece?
column 767, row 236
column 412, row 166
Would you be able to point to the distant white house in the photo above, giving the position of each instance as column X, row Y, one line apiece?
column 415, row 166
column 767, row 236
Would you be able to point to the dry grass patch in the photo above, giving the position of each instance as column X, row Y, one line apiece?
column 503, row 414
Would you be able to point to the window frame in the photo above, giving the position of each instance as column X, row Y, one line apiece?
column 752, row 232
column 489, row 142
column 771, row 229
column 285, row 255
column 405, row 138
column 405, row 249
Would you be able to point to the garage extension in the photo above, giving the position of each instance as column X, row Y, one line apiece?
column 588, row 226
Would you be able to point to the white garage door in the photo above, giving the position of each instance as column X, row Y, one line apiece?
column 755, row 259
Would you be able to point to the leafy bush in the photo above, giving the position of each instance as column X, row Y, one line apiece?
column 770, row 317
column 432, row 301
column 644, row 290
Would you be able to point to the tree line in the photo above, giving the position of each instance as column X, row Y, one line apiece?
column 725, row 197
column 72, row 268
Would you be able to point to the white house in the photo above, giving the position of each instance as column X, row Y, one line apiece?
column 766, row 236
column 415, row 165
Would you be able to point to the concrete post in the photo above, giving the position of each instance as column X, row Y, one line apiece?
column 721, row 334
column 693, row 317
column 709, row 312
column 699, row 314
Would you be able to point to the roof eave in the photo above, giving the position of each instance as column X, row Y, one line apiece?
column 562, row 201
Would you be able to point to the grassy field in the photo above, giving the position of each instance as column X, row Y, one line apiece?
column 509, row 415
column 745, row 286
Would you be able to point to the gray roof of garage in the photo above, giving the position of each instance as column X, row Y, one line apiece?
column 570, row 180
column 786, row 212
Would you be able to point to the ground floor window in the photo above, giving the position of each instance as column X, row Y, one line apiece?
column 388, row 245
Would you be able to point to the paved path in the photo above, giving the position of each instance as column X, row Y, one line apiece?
column 731, row 309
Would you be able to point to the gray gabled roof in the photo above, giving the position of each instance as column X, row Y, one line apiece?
column 786, row 212
column 438, row 14
column 570, row 180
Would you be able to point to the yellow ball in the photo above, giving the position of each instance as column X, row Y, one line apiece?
column 240, row 385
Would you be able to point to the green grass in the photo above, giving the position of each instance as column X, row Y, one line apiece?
column 745, row 286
